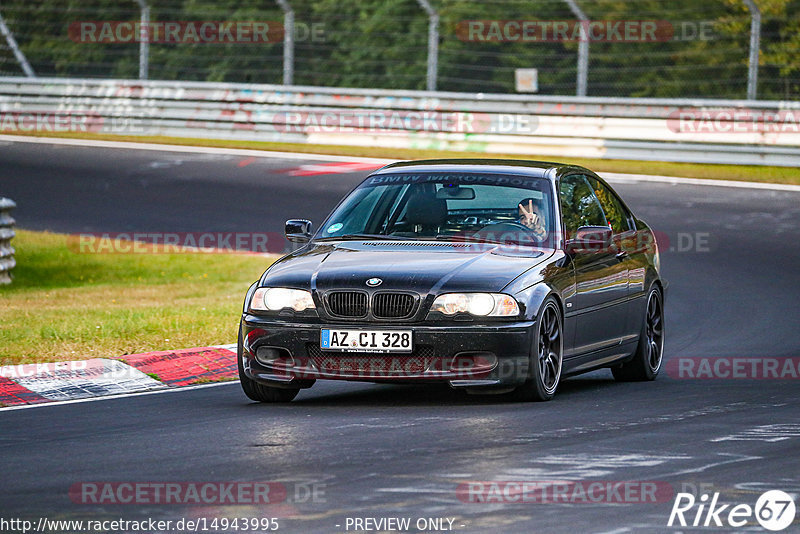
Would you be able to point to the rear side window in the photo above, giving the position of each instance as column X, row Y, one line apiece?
column 616, row 214
column 579, row 205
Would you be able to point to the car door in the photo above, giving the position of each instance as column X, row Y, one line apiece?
column 601, row 278
column 629, row 250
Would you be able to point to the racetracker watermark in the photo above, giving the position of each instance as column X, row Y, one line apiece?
column 734, row 121
column 639, row 241
column 178, row 243
column 565, row 492
column 191, row 32
column 174, row 32
column 557, row 31
column 365, row 363
column 733, row 368
column 50, row 121
column 385, row 366
column 134, row 122
column 201, row 493
column 347, row 121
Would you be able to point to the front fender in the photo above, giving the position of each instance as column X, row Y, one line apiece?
column 534, row 296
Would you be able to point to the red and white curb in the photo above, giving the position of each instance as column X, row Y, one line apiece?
column 63, row 381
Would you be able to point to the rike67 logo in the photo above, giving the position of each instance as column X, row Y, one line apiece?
column 774, row 510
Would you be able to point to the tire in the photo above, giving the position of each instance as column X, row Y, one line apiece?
column 546, row 357
column 259, row 392
column 649, row 355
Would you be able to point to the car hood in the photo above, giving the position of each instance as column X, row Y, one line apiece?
column 421, row 266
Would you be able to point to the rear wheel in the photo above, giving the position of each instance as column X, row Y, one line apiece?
column 646, row 362
column 546, row 357
column 259, row 392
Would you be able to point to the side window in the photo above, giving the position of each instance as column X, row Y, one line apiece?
column 615, row 212
column 579, row 205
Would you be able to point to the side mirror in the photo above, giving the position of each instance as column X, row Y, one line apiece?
column 590, row 239
column 298, row 230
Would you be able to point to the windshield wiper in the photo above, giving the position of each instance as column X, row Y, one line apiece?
column 474, row 239
column 350, row 237
column 460, row 238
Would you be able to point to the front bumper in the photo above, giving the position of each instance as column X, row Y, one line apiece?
column 469, row 356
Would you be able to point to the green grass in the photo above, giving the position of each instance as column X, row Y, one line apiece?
column 751, row 173
column 206, row 380
column 65, row 305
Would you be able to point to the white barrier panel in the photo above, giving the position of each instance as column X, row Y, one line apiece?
column 7, row 222
column 709, row 131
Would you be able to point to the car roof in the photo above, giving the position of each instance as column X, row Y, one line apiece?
column 533, row 169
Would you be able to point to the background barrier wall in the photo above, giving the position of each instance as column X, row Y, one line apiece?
column 687, row 130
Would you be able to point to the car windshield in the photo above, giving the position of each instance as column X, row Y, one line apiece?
column 446, row 206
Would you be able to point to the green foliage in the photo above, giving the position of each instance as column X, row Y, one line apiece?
column 384, row 43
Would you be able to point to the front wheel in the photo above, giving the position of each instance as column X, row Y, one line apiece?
column 546, row 358
column 646, row 362
column 260, row 392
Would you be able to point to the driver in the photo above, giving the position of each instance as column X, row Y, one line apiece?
column 530, row 216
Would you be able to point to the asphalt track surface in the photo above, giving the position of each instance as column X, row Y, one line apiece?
column 402, row 451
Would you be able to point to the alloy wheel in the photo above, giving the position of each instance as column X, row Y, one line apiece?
column 654, row 331
column 550, row 348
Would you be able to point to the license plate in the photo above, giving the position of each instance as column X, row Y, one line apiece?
column 367, row 340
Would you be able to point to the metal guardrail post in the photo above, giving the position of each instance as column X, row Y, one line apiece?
column 755, row 43
column 583, row 47
column 12, row 44
column 433, row 44
column 288, row 42
column 144, row 40
column 7, row 261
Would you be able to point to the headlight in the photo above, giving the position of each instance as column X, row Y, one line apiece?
column 480, row 304
column 278, row 298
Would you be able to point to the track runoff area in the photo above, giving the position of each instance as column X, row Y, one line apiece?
column 709, row 446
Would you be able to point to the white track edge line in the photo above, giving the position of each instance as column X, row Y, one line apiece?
column 675, row 180
column 166, row 389
column 190, row 149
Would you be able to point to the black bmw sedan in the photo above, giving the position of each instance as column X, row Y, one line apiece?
column 494, row 276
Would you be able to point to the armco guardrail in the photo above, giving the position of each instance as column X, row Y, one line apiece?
column 709, row 131
column 7, row 261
